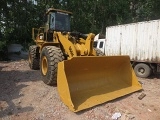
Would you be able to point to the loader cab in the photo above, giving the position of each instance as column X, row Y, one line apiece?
column 58, row 20
column 99, row 42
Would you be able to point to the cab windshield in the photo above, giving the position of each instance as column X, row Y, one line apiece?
column 62, row 21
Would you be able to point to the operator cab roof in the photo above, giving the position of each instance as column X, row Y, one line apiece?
column 57, row 10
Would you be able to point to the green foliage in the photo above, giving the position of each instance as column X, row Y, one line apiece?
column 19, row 16
column 2, row 45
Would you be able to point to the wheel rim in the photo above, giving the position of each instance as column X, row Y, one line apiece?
column 44, row 65
column 141, row 71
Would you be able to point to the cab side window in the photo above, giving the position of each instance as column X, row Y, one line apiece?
column 95, row 44
column 101, row 45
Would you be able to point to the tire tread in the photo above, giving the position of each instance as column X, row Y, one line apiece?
column 34, row 64
column 54, row 56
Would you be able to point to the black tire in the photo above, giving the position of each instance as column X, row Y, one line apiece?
column 34, row 57
column 142, row 70
column 99, row 52
column 50, row 58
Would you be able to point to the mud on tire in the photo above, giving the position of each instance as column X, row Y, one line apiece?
column 50, row 58
column 34, row 57
column 99, row 52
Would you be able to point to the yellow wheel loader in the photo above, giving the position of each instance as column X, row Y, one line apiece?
column 84, row 76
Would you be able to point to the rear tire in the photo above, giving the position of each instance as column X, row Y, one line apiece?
column 142, row 70
column 50, row 58
column 33, row 57
column 99, row 52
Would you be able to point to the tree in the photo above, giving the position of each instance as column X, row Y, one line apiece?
column 19, row 17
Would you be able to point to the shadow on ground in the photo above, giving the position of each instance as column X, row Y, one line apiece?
column 11, row 83
column 154, row 76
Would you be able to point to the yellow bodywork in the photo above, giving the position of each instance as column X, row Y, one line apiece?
column 84, row 82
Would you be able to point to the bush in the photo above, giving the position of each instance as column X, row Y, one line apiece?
column 3, row 50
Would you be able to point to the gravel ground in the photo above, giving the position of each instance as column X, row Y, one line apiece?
column 23, row 96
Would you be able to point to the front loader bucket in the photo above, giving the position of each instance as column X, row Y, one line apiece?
column 84, row 82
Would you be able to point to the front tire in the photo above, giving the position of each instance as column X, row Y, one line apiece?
column 142, row 70
column 50, row 58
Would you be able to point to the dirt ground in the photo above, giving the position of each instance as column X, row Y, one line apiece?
column 23, row 96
